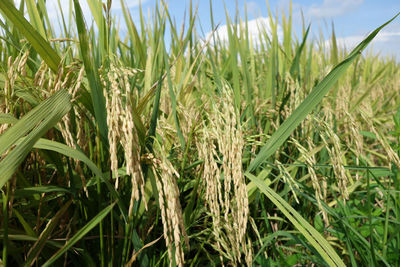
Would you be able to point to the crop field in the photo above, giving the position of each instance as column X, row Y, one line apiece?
column 159, row 146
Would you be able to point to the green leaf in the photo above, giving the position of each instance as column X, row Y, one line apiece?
column 132, row 31
column 29, row 231
column 27, row 191
column 35, row 124
column 295, row 67
column 32, row 239
column 43, row 48
column 312, row 100
column 6, row 118
column 76, row 154
column 313, row 236
column 35, row 17
column 174, row 104
column 154, row 116
column 96, row 11
column 44, row 236
column 81, row 233
column 92, row 75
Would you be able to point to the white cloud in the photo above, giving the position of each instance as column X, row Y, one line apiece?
column 333, row 8
column 385, row 42
column 386, row 36
column 348, row 42
column 352, row 41
column 256, row 29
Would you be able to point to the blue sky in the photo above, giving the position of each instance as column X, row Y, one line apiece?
column 353, row 19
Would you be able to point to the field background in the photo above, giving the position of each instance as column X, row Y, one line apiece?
column 164, row 147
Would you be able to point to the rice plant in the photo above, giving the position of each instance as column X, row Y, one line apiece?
column 164, row 147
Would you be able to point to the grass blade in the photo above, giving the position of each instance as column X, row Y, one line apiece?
column 81, row 233
column 92, row 75
column 35, row 17
column 295, row 67
column 41, row 241
column 132, row 31
column 7, row 118
column 40, row 189
column 313, row 236
column 44, row 49
column 312, row 100
column 39, row 120
column 29, row 231
column 76, row 154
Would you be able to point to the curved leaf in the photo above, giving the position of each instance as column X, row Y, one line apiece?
column 76, row 154
column 81, row 233
column 313, row 236
column 311, row 101
column 96, row 90
column 37, row 122
column 48, row 54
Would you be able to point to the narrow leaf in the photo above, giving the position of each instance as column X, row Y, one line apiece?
column 312, row 100
column 46, row 116
column 92, row 75
column 76, row 154
column 35, row 17
column 78, row 236
column 44, row 236
column 313, row 236
column 43, row 48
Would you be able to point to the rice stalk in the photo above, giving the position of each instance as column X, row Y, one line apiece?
column 121, row 128
column 319, row 183
column 336, row 154
column 355, row 139
column 15, row 68
column 171, row 211
column 221, row 149
column 392, row 156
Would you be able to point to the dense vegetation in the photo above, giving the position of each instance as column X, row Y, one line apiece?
column 133, row 150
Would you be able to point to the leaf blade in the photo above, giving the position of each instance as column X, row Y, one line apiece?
column 44, row 49
column 313, row 236
column 81, row 233
column 311, row 101
column 96, row 91
column 45, row 117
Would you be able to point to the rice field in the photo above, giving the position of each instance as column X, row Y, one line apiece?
column 164, row 147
